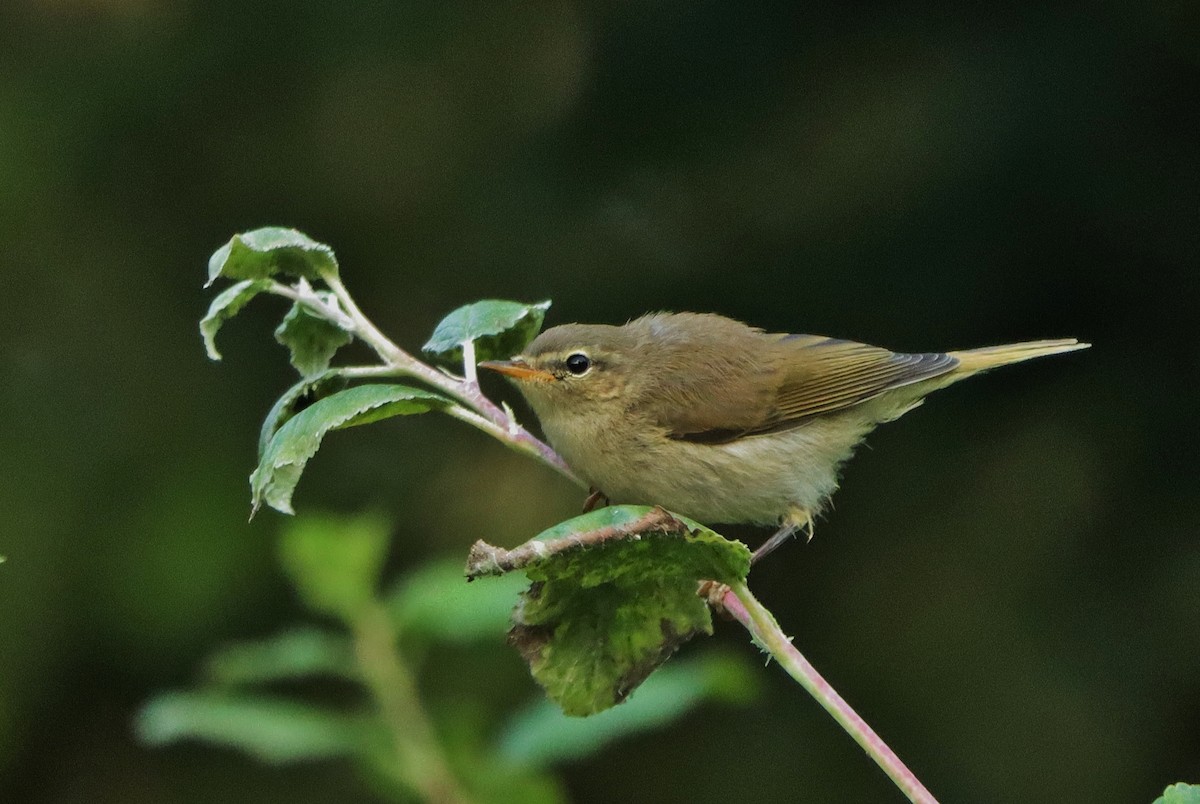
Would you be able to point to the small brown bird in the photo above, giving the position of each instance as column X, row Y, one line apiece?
column 722, row 422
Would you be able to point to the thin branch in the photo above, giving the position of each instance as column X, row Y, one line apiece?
column 488, row 417
column 746, row 609
column 394, row 687
column 487, row 559
column 470, row 370
column 304, row 295
column 363, row 372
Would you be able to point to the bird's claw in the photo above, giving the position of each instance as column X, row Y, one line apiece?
column 594, row 500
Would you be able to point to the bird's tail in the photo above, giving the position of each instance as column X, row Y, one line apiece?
column 973, row 360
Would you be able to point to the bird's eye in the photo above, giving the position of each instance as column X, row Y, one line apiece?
column 578, row 364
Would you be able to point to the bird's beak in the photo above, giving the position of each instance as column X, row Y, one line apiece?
column 518, row 369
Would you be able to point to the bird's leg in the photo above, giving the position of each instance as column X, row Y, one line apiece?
column 594, row 499
column 791, row 523
column 780, row 536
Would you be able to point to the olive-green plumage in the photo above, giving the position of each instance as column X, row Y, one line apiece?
column 720, row 421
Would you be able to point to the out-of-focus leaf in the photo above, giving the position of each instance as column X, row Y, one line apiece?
column 602, row 615
column 498, row 328
column 270, row 729
column 311, row 340
column 496, row 783
column 1180, row 793
column 486, row 777
column 482, row 779
column 294, row 654
column 541, row 734
column 335, row 562
column 289, row 449
column 436, row 601
column 308, row 389
column 263, row 253
column 224, row 307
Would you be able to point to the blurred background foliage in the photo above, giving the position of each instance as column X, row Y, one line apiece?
column 1009, row 589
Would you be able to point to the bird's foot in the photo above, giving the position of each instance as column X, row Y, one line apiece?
column 596, row 499
column 794, row 521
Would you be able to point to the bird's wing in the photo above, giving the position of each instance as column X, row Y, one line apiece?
column 823, row 375
column 722, row 379
column 816, row 375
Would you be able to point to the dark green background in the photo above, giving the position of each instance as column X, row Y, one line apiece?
column 1009, row 587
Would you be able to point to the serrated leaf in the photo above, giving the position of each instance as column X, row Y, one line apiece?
column 224, row 307
column 293, row 444
column 335, row 561
column 298, row 653
column 1180, row 793
column 602, row 614
column 541, row 734
column 271, row 250
column 309, row 389
column 273, row 730
column 311, row 340
column 436, row 601
column 498, row 328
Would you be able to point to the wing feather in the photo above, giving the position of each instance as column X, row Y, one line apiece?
column 823, row 376
column 810, row 376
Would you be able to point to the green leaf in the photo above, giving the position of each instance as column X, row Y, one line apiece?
column 499, row 329
column 1180, row 793
column 284, row 458
column 463, row 727
column 311, row 340
column 224, row 307
column 335, row 562
column 540, row 734
column 294, row 654
column 491, row 782
column 308, row 390
column 436, row 601
column 272, row 730
column 604, row 613
column 264, row 253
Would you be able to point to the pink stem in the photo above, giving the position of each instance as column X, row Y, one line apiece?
column 469, row 393
column 746, row 609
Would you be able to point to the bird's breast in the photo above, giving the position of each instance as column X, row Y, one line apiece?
column 755, row 479
column 604, row 450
